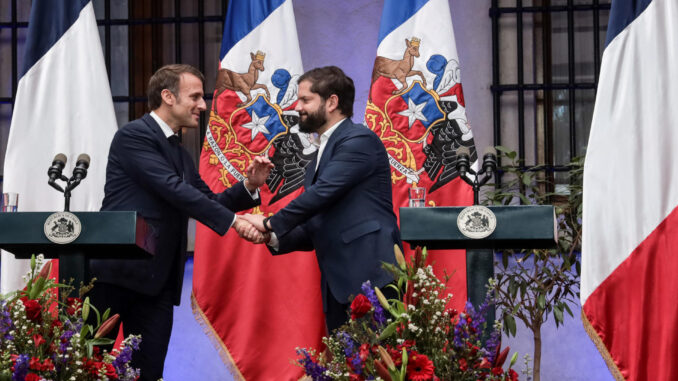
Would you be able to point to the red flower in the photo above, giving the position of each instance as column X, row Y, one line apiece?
column 73, row 305
column 33, row 310
column 38, row 340
column 364, row 351
column 360, row 306
column 513, row 375
column 419, row 368
column 497, row 371
column 34, row 363
column 484, row 363
column 110, row 371
column 463, row 366
column 32, row 377
column 356, row 377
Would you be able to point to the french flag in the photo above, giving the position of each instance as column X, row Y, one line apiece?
column 63, row 105
column 629, row 281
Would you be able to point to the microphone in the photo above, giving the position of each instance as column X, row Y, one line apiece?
column 81, row 165
column 463, row 159
column 490, row 160
column 58, row 164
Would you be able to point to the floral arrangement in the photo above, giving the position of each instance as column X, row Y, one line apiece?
column 44, row 338
column 416, row 337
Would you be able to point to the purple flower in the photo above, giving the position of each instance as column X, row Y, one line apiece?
column 313, row 369
column 491, row 345
column 372, row 296
column 21, row 367
column 6, row 324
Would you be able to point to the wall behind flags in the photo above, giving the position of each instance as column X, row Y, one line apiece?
column 141, row 35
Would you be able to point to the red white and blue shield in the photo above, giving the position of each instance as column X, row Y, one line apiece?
column 414, row 112
column 257, row 125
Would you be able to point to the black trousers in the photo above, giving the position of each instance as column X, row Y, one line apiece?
column 148, row 316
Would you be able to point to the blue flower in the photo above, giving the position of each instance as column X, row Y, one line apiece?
column 313, row 369
column 21, row 367
column 372, row 296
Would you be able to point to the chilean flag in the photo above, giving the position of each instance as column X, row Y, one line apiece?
column 256, row 307
column 416, row 106
column 63, row 105
column 629, row 281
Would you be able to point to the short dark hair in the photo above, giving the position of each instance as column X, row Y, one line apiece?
column 167, row 77
column 329, row 80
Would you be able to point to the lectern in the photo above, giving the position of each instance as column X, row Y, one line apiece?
column 517, row 227
column 104, row 235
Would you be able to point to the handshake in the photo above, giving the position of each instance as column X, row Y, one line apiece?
column 251, row 227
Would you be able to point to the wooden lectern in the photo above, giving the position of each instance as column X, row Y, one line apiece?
column 103, row 235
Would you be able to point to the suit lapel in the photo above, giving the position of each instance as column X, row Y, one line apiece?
column 171, row 153
column 329, row 148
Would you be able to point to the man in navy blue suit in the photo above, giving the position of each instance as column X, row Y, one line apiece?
column 149, row 172
column 346, row 211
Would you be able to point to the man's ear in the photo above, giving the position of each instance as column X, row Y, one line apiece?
column 332, row 103
column 167, row 97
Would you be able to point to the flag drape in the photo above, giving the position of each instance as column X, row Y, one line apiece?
column 630, row 220
column 257, row 307
column 416, row 106
column 63, row 105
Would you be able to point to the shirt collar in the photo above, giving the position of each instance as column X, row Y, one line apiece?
column 326, row 135
column 166, row 129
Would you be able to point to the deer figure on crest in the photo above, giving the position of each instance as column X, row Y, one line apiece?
column 399, row 69
column 242, row 82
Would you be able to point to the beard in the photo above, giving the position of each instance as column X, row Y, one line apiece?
column 313, row 120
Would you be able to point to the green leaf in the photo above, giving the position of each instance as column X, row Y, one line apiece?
column 567, row 308
column 558, row 314
column 510, row 324
column 513, row 289
column 541, row 301
column 389, row 330
column 504, row 259
column 101, row 341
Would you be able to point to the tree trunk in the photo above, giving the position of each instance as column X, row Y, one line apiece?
column 537, row 354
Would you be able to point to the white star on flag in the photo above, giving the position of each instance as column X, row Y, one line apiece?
column 257, row 125
column 413, row 112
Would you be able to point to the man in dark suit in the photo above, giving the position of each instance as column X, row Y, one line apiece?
column 346, row 211
column 149, row 172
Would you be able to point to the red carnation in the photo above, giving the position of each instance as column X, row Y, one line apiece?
column 419, row 368
column 497, row 371
column 32, row 377
column 360, row 306
column 463, row 366
column 513, row 375
column 33, row 310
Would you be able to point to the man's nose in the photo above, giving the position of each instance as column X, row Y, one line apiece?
column 202, row 106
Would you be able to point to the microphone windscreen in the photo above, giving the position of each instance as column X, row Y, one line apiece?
column 83, row 158
column 60, row 157
column 490, row 151
column 463, row 151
